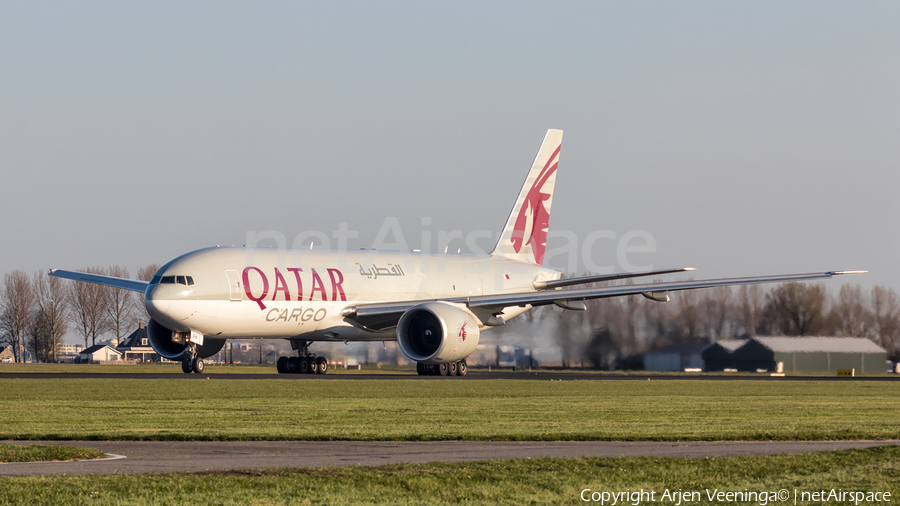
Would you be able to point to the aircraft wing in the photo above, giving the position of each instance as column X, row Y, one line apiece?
column 127, row 284
column 552, row 296
column 558, row 283
column 386, row 314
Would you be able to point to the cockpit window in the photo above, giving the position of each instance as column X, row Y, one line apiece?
column 155, row 279
column 181, row 280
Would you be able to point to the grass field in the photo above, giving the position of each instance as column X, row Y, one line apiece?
column 44, row 453
column 276, row 409
column 539, row 481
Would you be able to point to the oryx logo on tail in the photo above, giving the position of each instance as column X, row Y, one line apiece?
column 525, row 236
column 533, row 221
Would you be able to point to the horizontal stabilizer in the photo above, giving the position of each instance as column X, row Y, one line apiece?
column 127, row 284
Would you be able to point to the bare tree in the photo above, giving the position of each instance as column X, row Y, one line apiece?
column 145, row 274
column 17, row 311
column 717, row 304
column 851, row 317
column 568, row 333
column 89, row 307
column 122, row 312
column 628, row 337
column 620, row 320
column 660, row 324
column 38, row 337
column 52, row 300
column 689, row 316
column 886, row 319
column 796, row 309
column 601, row 351
column 749, row 308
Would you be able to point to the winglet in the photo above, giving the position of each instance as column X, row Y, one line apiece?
column 839, row 273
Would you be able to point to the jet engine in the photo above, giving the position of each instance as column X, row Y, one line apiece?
column 171, row 345
column 437, row 332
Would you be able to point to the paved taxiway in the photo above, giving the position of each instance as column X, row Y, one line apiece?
column 548, row 376
column 166, row 457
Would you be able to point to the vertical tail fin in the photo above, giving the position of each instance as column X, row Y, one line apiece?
column 524, row 237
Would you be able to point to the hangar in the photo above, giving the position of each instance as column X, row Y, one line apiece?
column 720, row 355
column 675, row 357
column 810, row 354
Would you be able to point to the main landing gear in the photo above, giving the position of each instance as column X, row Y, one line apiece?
column 447, row 369
column 305, row 363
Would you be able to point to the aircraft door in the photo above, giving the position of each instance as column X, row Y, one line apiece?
column 234, row 285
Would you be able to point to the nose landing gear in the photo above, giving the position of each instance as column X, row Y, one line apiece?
column 193, row 363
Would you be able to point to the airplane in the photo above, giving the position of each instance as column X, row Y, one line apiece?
column 434, row 305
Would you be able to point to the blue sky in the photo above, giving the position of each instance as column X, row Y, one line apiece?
column 744, row 137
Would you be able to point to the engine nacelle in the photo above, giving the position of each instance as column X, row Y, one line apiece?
column 437, row 332
column 171, row 345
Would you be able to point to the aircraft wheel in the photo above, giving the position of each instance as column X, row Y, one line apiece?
column 421, row 369
column 323, row 365
column 443, row 369
column 303, row 362
column 186, row 366
column 462, row 369
column 453, row 368
column 293, row 365
column 313, row 365
column 197, row 365
column 281, row 365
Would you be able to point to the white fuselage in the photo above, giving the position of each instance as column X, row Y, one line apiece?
column 276, row 293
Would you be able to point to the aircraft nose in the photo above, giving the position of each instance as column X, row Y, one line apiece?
column 156, row 300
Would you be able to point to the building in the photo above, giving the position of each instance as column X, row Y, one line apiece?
column 137, row 347
column 720, row 355
column 68, row 352
column 99, row 353
column 810, row 354
column 675, row 357
column 7, row 355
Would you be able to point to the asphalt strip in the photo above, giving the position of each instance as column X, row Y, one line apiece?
column 130, row 457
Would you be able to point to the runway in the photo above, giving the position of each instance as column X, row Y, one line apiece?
column 128, row 457
column 540, row 376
